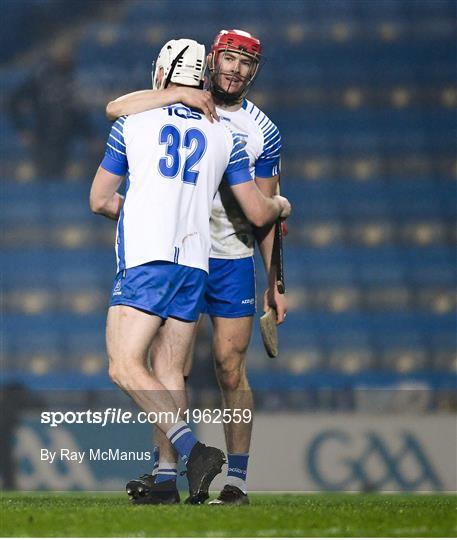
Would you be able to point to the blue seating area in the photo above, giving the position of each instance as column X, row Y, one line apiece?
column 364, row 95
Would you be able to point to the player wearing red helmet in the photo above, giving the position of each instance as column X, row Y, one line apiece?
column 227, row 85
column 233, row 64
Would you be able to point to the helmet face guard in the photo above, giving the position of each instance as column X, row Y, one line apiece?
column 239, row 42
column 183, row 62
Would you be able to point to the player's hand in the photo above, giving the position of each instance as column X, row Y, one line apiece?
column 285, row 206
column 199, row 99
column 272, row 298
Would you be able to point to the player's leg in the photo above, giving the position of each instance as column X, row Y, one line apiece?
column 176, row 354
column 190, row 353
column 168, row 357
column 231, row 304
column 179, row 310
column 129, row 333
column 230, row 344
column 173, row 291
column 140, row 487
column 164, row 455
column 159, row 348
column 159, row 345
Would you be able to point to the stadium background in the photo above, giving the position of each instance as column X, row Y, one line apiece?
column 365, row 96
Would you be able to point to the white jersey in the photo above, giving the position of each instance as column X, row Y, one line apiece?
column 174, row 160
column 231, row 232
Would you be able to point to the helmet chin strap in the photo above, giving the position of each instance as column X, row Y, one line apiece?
column 173, row 66
column 224, row 96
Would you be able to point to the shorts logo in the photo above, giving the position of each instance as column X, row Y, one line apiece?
column 248, row 301
column 117, row 288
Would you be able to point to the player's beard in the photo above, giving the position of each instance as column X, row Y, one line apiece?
column 225, row 96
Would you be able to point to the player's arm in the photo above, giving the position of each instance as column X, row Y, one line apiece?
column 145, row 100
column 104, row 198
column 267, row 178
column 260, row 210
column 265, row 240
column 265, row 235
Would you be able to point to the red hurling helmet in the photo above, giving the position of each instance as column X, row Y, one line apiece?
column 237, row 41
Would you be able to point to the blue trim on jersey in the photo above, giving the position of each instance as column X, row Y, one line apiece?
column 269, row 162
column 273, row 145
column 118, row 129
column 115, row 160
column 245, row 104
column 269, row 132
column 239, row 177
column 114, row 166
column 236, row 148
column 267, row 169
column 262, row 121
column 237, row 171
column 120, row 232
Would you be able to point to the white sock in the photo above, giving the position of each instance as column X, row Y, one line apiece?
column 237, row 482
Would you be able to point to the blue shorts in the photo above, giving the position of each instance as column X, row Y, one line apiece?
column 230, row 291
column 161, row 288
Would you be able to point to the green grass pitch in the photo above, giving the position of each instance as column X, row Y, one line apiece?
column 294, row 515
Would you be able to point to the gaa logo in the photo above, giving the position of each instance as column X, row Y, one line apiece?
column 117, row 288
column 338, row 461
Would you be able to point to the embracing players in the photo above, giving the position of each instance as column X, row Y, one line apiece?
column 173, row 159
column 230, row 294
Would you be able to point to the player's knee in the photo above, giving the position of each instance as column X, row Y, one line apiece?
column 229, row 381
column 230, row 366
column 114, row 374
column 118, row 374
column 230, row 375
column 230, row 354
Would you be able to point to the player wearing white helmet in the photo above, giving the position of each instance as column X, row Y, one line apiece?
column 230, row 296
column 180, row 61
column 173, row 160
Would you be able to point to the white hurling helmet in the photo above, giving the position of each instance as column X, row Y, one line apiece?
column 183, row 62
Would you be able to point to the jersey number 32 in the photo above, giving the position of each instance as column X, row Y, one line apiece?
column 176, row 146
